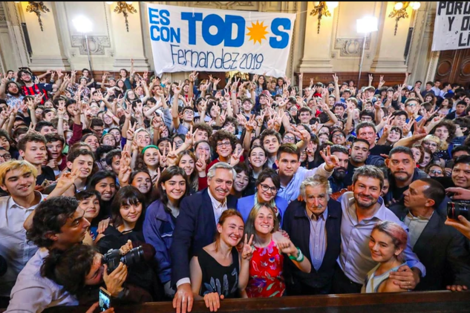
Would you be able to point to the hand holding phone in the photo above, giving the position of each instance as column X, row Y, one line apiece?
column 104, row 300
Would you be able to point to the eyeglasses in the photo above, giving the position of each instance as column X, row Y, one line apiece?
column 338, row 136
column 224, row 143
column 289, row 138
column 411, row 104
column 435, row 172
column 6, row 156
column 266, row 188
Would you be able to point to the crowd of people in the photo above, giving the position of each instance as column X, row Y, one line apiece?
column 208, row 190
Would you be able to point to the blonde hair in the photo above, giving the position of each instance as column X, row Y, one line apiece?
column 440, row 144
column 13, row 165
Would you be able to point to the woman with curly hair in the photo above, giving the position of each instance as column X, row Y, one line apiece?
column 445, row 130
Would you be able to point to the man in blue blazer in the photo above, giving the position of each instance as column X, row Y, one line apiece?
column 314, row 226
column 196, row 226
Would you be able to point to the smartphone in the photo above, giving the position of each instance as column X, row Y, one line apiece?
column 105, row 299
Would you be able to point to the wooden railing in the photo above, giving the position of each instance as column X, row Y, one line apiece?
column 441, row 301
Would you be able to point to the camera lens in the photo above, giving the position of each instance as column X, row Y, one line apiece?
column 454, row 209
column 134, row 256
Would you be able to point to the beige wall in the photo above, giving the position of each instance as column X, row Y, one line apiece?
column 337, row 48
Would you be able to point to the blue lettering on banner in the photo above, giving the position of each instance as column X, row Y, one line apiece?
column 223, row 30
column 209, row 60
column 163, row 32
column 284, row 40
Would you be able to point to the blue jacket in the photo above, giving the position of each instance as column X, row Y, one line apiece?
column 158, row 231
column 195, row 229
column 245, row 205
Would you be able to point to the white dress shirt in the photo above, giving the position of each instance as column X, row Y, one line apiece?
column 34, row 293
column 14, row 246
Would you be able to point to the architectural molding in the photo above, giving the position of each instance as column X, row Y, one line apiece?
column 351, row 47
column 97, row 44
column 316, row 66
column 50, row 62
column 224, row 5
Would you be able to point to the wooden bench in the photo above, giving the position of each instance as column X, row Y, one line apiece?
column 440, row 301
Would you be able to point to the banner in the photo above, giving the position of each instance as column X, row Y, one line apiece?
column 452, row 26
column 193, row 39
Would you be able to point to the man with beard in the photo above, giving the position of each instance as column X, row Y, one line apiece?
column 340, row 171
column 30, row 88
column 361, row 210
column 10, row 91
column 402, row 172
column 358, row 155
column 58, row 223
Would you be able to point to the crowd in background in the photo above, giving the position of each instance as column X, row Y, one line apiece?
column 258, row 187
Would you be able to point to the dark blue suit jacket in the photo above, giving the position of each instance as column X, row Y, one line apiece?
column 195, row 228
column 297, row 225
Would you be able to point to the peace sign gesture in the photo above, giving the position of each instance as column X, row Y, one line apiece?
column 201, row 163
column 407, row 127
column 331, row 161
column 177, row 89
column 235, row 158
column 67, row 179
column 130, row 131
column 189, row 138
column 172, row 156
column 248, row 248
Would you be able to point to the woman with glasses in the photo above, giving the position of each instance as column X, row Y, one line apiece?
column 5, row 156
column 267, row 185
column 435, row 170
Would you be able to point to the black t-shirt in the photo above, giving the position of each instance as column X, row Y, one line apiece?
column 47, row 173
column 380, row 149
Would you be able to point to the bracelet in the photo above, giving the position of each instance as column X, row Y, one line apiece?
column 300, row 256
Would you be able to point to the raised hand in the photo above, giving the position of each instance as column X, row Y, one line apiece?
column 235, row 158
column 331, row 161
column 172, row 156
column 201, row 163
column 247, row 250
column 335, row 78
column 131, row 130
column 189, row 137
column 67, row 179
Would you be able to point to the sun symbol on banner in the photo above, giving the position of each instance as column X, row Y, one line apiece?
column 257, row 32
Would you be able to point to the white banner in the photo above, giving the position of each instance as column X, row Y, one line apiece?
column 193, row 39
column 452, row 26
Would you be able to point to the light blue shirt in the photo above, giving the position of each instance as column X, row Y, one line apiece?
column 34, row 293
column 317, row 241
column 355, row 259
column 292, row 190
column 14, row 246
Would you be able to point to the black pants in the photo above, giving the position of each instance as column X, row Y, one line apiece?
column 4, row 301
column 342, row 284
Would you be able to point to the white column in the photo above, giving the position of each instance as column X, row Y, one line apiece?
column 46, row 46
column 317, row 47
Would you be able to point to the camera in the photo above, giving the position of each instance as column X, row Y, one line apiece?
column 454, row 209
column 113, row 257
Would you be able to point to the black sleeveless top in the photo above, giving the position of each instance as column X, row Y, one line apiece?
column 218, row 278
